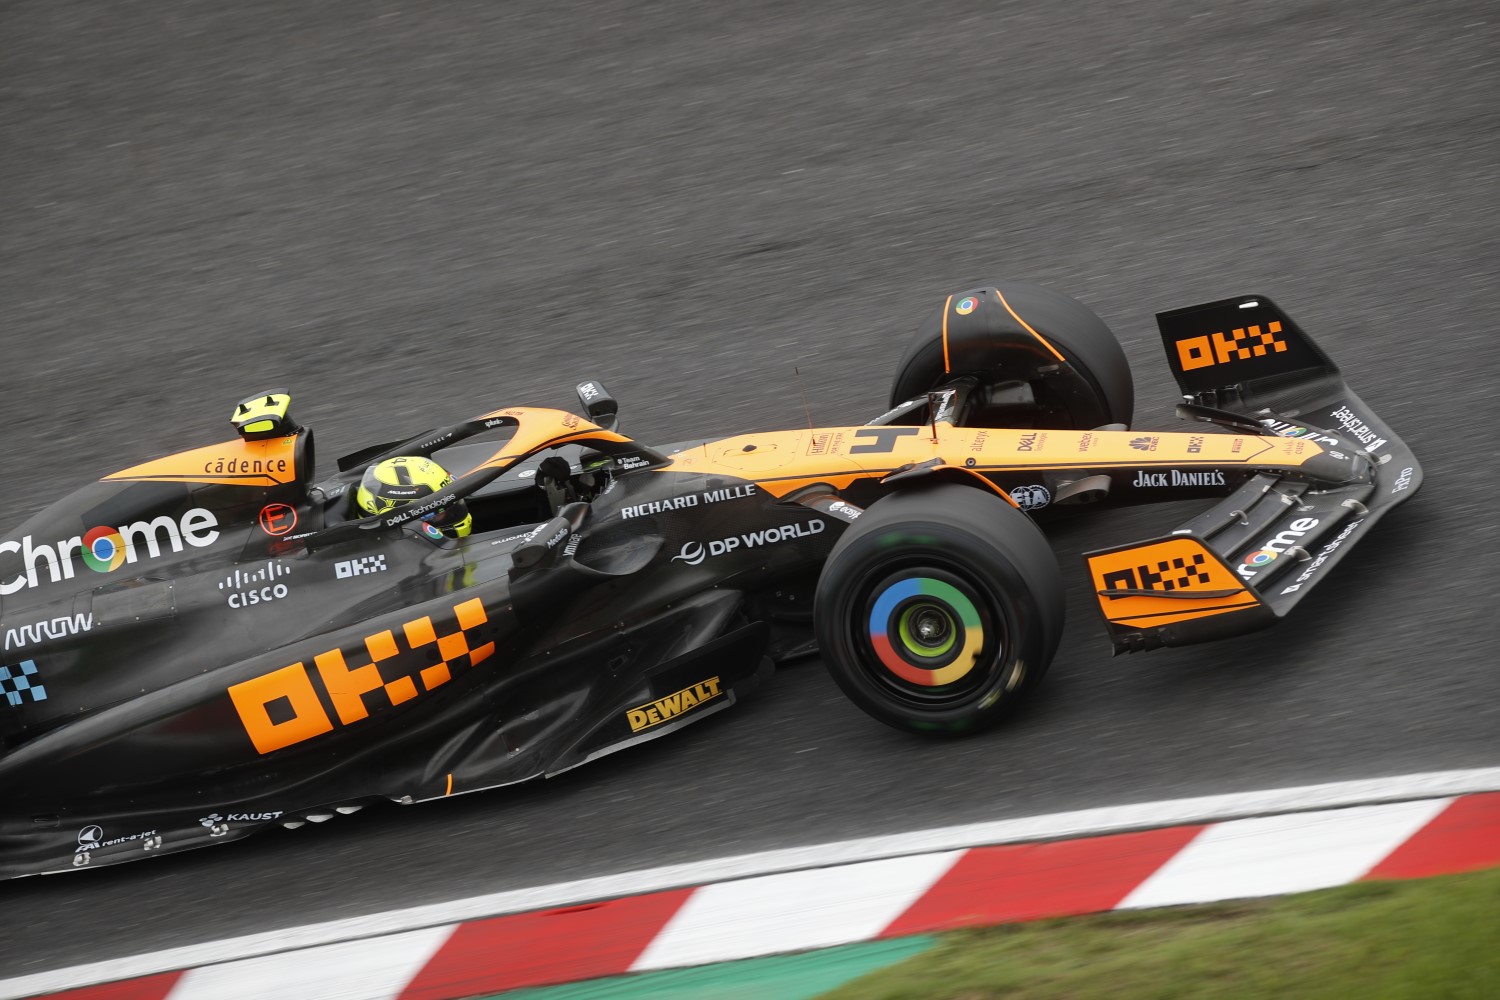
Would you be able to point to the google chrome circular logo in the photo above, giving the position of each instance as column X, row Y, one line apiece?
column 103, row 549
column 1260, row 558
column 966, row 305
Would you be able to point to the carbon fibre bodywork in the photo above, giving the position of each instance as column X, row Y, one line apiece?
column 212, row 642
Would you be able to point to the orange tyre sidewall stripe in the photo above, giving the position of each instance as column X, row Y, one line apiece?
column 1017, row 317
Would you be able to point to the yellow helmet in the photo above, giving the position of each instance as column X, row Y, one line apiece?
column 395, row 482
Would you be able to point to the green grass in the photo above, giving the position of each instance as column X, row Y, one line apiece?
column 1422, row 940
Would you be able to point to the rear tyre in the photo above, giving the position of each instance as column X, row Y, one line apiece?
column 939, row 610
column 1028, row 386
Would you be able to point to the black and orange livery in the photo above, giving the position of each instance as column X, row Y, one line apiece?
column 202, row 645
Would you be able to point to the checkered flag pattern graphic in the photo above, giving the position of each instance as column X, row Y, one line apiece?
column 15, row 683
column 1190, row 572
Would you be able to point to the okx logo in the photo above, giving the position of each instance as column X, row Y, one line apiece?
column 1238, row 345
column 105, row 549
column 358, row 567
column 361, row 677
column 1179, row 573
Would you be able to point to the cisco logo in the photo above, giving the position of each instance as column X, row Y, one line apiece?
column 248, row 589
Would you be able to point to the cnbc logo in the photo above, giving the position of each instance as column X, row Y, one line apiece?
column 104, row 549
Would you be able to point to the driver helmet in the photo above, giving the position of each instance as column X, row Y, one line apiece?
column 395, row 482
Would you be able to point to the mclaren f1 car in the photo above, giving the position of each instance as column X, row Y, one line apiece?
column 209, row 643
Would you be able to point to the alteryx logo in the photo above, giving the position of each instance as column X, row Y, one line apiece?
column 105, row 549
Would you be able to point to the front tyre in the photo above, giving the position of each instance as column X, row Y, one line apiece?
column 939, row 610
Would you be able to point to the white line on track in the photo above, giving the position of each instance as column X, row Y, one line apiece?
column 1085, row 822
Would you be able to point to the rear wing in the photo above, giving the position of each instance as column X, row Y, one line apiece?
column 1246, row 562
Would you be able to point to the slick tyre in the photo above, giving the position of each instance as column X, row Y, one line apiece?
column 939, row 610
column 1008, row 335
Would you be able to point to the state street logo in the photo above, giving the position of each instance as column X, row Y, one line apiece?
column 1031, row 497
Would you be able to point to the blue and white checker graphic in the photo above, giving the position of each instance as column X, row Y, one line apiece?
column 15, row 683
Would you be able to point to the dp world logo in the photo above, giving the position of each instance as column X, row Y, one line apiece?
column 692, row 553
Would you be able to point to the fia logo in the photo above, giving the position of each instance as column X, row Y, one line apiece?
column 1031, row 497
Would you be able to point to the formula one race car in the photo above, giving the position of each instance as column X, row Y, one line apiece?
column 212, row 642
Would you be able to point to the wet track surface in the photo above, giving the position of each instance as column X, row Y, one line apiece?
column 410, row 215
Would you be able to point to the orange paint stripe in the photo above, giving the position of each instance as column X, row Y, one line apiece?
column 947, row 368
column 450, row 784
column 1164, row 618
column 1017, row 317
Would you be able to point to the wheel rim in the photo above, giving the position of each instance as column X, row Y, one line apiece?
column 928, row 634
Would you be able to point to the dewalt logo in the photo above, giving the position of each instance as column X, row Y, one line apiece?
column 668, row 708
column 1238, row 345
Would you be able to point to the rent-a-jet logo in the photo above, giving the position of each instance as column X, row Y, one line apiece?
column 104, row 549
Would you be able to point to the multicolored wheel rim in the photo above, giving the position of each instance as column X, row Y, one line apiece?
column 926, row 631
column 103, row 549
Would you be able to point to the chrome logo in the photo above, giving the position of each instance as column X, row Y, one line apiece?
column 944, row 656
column 1260, row 558
column 103, row 549
column 966, row 305
column 431, row 531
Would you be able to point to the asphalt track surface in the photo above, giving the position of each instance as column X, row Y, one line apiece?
column 412, row 213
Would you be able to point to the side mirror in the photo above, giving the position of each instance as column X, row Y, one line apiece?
column 598, row 405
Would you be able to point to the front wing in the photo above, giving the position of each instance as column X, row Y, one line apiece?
column 1251, row 558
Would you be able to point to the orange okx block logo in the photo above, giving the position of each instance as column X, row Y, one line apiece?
column 287, row 705
column 1237, row 345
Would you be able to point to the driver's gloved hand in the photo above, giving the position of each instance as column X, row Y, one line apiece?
column 553, row 476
